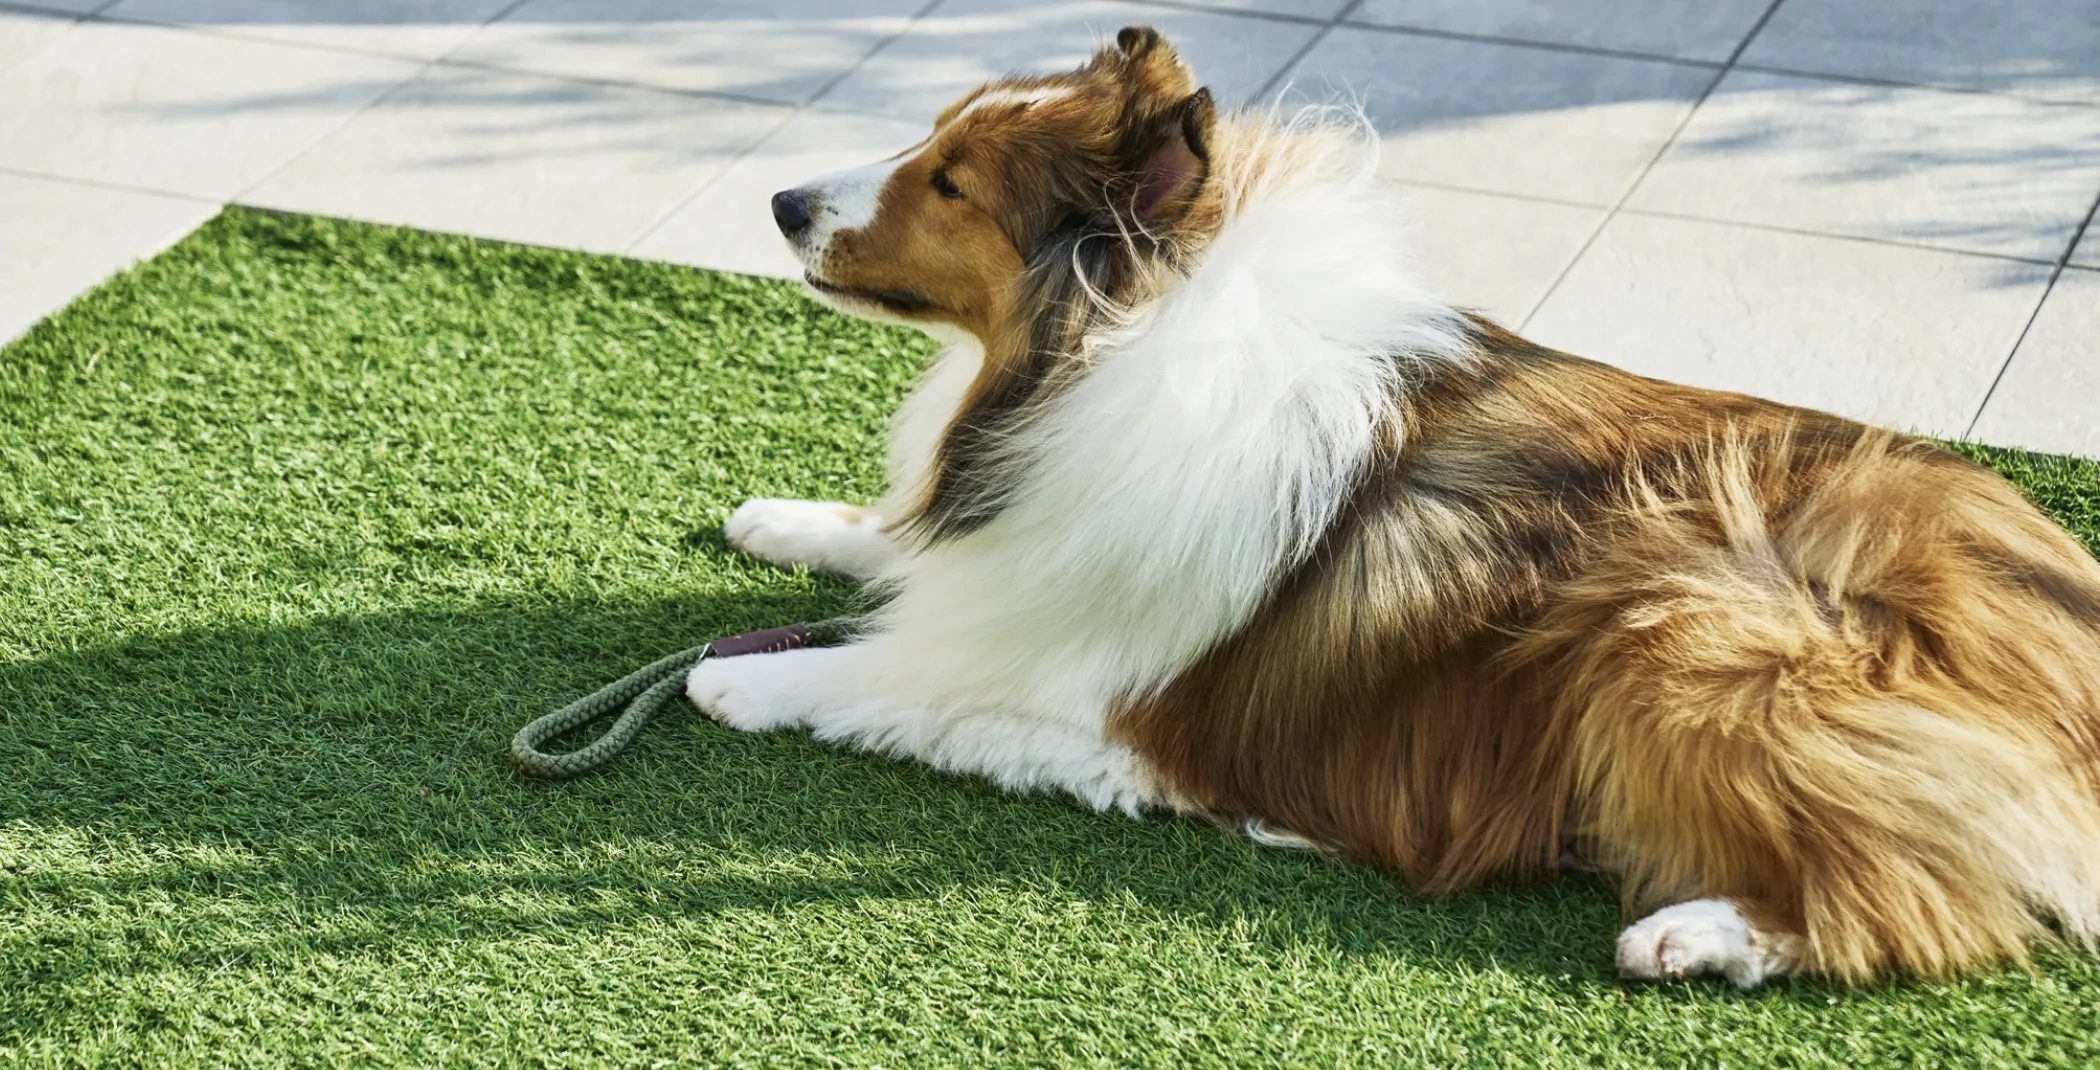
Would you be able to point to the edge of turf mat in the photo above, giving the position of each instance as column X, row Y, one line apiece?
column 301, row 518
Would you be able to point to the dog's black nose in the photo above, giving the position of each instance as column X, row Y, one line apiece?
column 791, row 211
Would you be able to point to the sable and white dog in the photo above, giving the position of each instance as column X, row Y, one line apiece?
column 1208, row 506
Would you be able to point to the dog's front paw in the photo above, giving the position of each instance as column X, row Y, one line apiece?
column 752, row 693
column 824, row 536
column 1699, row 938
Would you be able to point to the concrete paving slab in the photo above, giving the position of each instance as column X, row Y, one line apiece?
column 2087, row 252
column 1320, row 10
column 2049, row 397
column 1966, row 171
column 761, row 49
column 176, row 110
column 59, row 239
column 1491, row 253
column 1684, row 29
column 70, row 7
column 22, row 32
column 1505, row 118
column 1907, row 338
column 417, row 29
column 2041, row 48
column 519, row 158
column 962, row 43
column 729, row 226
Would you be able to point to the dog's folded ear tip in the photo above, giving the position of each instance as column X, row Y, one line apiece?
column 1135, row 41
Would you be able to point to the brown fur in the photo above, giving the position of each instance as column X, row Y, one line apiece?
column 1081, row 196
column 1724, row 647
column 1728, row 648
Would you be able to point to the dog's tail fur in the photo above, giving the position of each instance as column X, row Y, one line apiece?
column 1868, row 714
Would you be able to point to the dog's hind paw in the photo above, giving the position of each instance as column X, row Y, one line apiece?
column 1701, row 938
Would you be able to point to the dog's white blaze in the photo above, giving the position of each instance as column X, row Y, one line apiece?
column 1154, row 505
column 842, row 200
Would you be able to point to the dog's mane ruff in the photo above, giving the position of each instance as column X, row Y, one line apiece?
column 1196, row 444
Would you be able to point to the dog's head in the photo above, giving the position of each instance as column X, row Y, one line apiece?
column 1013, row 176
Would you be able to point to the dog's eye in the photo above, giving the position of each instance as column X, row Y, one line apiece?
column 947, row 186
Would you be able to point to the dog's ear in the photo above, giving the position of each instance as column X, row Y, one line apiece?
column 1170, row 160
column 1152, row 73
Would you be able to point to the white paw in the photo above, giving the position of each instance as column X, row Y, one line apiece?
column 752, row 693
column 1699, row 938
column 824, row 536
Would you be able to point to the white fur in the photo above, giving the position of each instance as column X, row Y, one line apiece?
column 825, row 536
column 842, row 200
column 1156, row 502
column 1703, row 937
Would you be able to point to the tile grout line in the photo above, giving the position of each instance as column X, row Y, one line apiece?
column 423, row 67
column 2062, row 263
column 1543, row 46
column 794, row 112
column 115, row 187
column 1804, row 232
column 1627, row 193
column 1276, row 82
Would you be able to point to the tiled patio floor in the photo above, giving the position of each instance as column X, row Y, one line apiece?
column 1861, row 205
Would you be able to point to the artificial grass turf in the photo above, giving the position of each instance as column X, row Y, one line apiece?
column 301, row 519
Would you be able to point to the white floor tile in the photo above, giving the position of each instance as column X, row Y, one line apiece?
column 1490, row 253
column 59, row 239
column 1505, row 118
column 1907, row 338
column 519, row 158
column 23, row 32
column 177, row 110
column 766, row 49
column 2044, row 48
column 1966, row 171
column 729, row 226
column 962, row 43
column 2087, row 252
column 2049, row 399
column 421, row 29
column 1685, row 29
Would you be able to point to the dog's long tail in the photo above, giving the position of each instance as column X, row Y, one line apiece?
column 1868, row 715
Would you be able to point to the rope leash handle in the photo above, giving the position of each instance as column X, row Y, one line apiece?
column 644, row 692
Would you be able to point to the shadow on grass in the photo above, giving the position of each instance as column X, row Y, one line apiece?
column 343, row 787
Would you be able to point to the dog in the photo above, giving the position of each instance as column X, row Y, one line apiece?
column 1207, row 506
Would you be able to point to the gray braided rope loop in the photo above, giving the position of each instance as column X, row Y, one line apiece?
column 644, row 692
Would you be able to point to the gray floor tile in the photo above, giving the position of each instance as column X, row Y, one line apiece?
column 23, row 32
column 419, row 29
column 1505, row 118
column 1305, row 9
column 59, row 239
column 729, row 226
column 520, row 158
column 1490, row 253
column 766, row 49
column 1686, row 29
column 2045, row 48
column 1907, row 338
column 1965, row 171
column 73, row 7
column 964, row 42
column 177, row 110
column 2049, row 399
